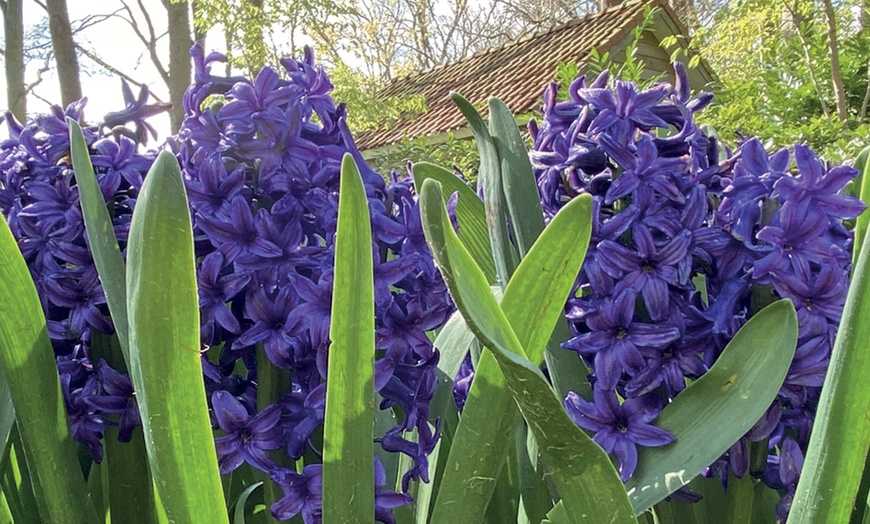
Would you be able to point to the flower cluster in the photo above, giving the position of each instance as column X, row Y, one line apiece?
column 688, row 242
column 261, row 160
column 39, row 198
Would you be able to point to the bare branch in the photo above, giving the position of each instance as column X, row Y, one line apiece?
column 149, row 41
column 115, row 71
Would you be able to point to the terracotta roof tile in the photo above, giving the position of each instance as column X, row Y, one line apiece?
column 517, row 72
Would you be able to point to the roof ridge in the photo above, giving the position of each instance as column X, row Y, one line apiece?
column 525, row 37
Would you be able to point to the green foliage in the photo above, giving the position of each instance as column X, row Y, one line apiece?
column 28, row 366
column 348, row 432
column 366, row 110
column 720, row 407
column 165, row 358
column 458, row 153
column 588, row 483
column 256, row 31
column 774, row 75
column 838, row 447
column 629, row 67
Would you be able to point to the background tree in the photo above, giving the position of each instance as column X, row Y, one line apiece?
column 178, row 15
column 13, row 57
column 790, row 71
column 64, row 51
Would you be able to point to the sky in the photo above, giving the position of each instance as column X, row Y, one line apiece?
column 117, row 45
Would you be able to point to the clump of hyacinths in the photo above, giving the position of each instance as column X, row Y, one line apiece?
column 261, row 163
column 688, row 243
column 261, row 160
column 40, row 201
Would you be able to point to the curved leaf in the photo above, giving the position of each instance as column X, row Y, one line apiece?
column 863, row 190
column 101, row 235
column 470, row 213
column 840, row 440
column 490, row 412
column 348, row 433
column 518, row 180
column 503, row 252
column 589, row 485
column 720, row 407
column 165, row 359
column 30, row 371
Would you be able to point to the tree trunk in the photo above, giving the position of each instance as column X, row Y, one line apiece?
column 179, row 58
column 13, row 29
column 64, row 51
column 834, row 55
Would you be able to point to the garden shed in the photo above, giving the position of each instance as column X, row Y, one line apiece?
column 518, row 71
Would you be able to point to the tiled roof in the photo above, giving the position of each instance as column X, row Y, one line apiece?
column 517, row 72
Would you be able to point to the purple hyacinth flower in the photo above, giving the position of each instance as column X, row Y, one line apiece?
column 614, row 338
column 247, row 438
column 619, row 429
column 619, row 112
column 275, row 324
column 645, row 173
column 650, row 269
column 783, row 473
column 303, row 493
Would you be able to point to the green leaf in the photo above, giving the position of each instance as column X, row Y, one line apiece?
column 490, row 412
column 557, row 515
column 504, row 505
column 470, row 213
column 534, row 300
column 239, row 506
column 348, row 468
column 426, row 490
column 131, row 489
column 472, row 469
column 863, row 220
column 30, row 371
column 840, row 440
column 533, row 486
column 7, row 413
column 590, row 488
column 720, row 407
column 567, row 371
column 165, row 358
column 503, row 252
column 15, row 482
column 518, row 180
column 101, row 236
column 453, row 342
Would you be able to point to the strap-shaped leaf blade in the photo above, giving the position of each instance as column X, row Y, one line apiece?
column 101, row 235
column 348, row 468
column 518, row 180
column 470, row 213
column 590, row 488
column 863, row 190
column 130, row 493
column 534, row 300
column 28, row 366
column 840, row 440
column 534, row 305
column 165, row 359
column 720, row 407
column 503, row 252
